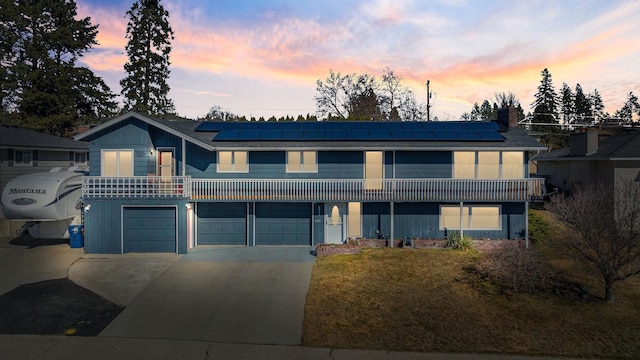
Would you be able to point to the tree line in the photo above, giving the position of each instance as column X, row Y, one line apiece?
column 42, row 85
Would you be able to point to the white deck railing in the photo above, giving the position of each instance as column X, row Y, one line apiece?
column 136, row 187
column 531, row 189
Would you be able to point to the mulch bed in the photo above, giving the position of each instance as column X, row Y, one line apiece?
column 57, row 306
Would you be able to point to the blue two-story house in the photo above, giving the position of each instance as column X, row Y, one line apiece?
column 160, row 185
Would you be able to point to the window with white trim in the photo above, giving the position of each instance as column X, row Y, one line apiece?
column 22, row 157
column 232, row 161
column 475, row 217
column 117, row 163
column 302, row 161
column 488, row 165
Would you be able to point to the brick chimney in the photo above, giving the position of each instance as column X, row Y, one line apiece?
column 508, row 117
column 583, row 143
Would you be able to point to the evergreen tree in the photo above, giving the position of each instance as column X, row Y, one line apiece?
column 625, row 114
column 41, row 82
column 583, row 109
column 145, row 88
column 567, row 104
column 545, row 105
column 598, row 104
column 486, row 111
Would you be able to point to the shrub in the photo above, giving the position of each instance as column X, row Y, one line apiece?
column 517, row 268
column 457, row 242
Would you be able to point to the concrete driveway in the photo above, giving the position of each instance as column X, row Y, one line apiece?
column 245, row 295
column 252, row 295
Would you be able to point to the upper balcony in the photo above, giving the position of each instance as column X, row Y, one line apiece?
column 400, row 190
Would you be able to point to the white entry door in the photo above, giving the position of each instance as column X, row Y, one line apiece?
column 334, row 223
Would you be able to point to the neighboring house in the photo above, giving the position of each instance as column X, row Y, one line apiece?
column 169, row 185
column 24, row 151
column 611, row 160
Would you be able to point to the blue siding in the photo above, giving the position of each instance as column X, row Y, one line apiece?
column 423, row 164
column 139, row 136
column 376, row 216
column 388, row 165
column 417, row 220
column 103, row 223
column 272, row 165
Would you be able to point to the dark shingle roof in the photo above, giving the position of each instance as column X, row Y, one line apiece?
column 623, row 146
column 13, row 137
column 513, row 138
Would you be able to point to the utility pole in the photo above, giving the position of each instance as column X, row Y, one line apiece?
column 428, row 97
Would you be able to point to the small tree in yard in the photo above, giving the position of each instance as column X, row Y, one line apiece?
column 605, row 227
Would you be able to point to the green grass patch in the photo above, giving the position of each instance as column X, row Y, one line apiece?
column 427, row 300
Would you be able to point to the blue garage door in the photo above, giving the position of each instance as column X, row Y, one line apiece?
column 149, row 229
column 222, row 223
column 283, row 224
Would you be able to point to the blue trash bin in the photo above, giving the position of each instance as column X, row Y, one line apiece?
column 76, row 237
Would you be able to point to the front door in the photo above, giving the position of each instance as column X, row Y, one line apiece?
column 166, row 167
column 334, row 223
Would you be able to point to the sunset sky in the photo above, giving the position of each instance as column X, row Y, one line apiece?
column 262, row 58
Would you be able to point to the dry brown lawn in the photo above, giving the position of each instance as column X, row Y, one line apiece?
column 425, row 300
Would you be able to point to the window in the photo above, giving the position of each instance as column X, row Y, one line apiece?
column 354, row 219
column 473, row 217
column 373, row 170
column 117, row 162
column 488, row 165
column 232, row 161
column 302, row 161
column 464, row 165
column 22, row 158
column 512, row 165
column 80, row 158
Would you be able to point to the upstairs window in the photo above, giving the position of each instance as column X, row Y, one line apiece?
column 232, row 161
column 512, row 165
column 22, row 158
column 488, row 165
column 117, row 163
column 302, row 161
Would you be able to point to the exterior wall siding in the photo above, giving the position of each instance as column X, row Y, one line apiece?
column 103, row 224
column 423, row 164
column 272, row 165
column 130, row 134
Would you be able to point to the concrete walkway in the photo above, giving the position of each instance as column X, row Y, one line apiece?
column 29, row 347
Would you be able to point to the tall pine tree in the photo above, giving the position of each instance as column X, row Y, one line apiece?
column 583, row 106
column 545, row 105
column 145, row 88
column 42, row 86
column 567, row 104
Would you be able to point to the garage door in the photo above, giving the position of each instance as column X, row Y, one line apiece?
column 149, row 229
column 283, row 224
column 222, row 223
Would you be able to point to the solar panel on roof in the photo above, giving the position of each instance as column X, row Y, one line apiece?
column 379, row 134
column 333, row 135
column 226, row 135
column 356, row 134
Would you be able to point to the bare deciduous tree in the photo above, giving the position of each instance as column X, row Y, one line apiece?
column 605, row 223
